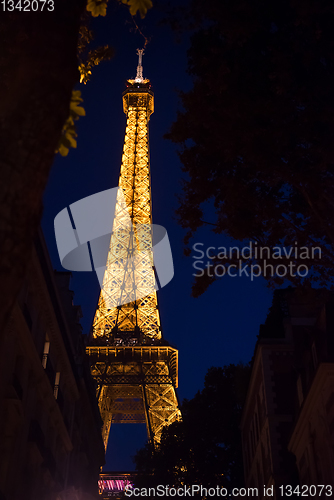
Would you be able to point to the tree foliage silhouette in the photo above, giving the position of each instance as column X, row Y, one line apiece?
column 256, row 130
column 39, row 68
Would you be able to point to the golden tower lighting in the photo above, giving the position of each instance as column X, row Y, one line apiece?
column 135, row 369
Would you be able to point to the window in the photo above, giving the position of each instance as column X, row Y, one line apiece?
column 45, row 353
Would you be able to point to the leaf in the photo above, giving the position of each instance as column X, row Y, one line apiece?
column 76, row 96
column 69, row 134
column 63, row 150
column 85, row 73
column 138, row 5
column 74, row 105
column 97, row 7
column 85, row 37
column 79, row 110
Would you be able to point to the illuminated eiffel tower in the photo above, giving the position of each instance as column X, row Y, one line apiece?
column 135, row 369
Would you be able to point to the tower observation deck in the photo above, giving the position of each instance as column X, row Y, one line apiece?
column 135, row 369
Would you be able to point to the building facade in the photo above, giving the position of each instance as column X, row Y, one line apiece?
column 288, row 418
column 50, row 426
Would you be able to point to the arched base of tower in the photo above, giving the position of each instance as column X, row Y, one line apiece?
column 136, row 385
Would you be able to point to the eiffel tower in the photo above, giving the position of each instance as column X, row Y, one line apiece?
column 135, row 369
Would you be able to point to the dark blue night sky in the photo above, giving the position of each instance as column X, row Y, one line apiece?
column 218, row 328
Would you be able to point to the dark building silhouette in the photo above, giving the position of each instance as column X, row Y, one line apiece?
column 288, row 418
column 50, row 426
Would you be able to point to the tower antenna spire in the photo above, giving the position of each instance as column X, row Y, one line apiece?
column 139, row 78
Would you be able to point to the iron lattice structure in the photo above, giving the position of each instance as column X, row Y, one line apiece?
column 112, row 484
column 135, row 370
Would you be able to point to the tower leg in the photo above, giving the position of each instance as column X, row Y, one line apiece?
column 136, row 385
column 162, row 408
column 105, row 406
